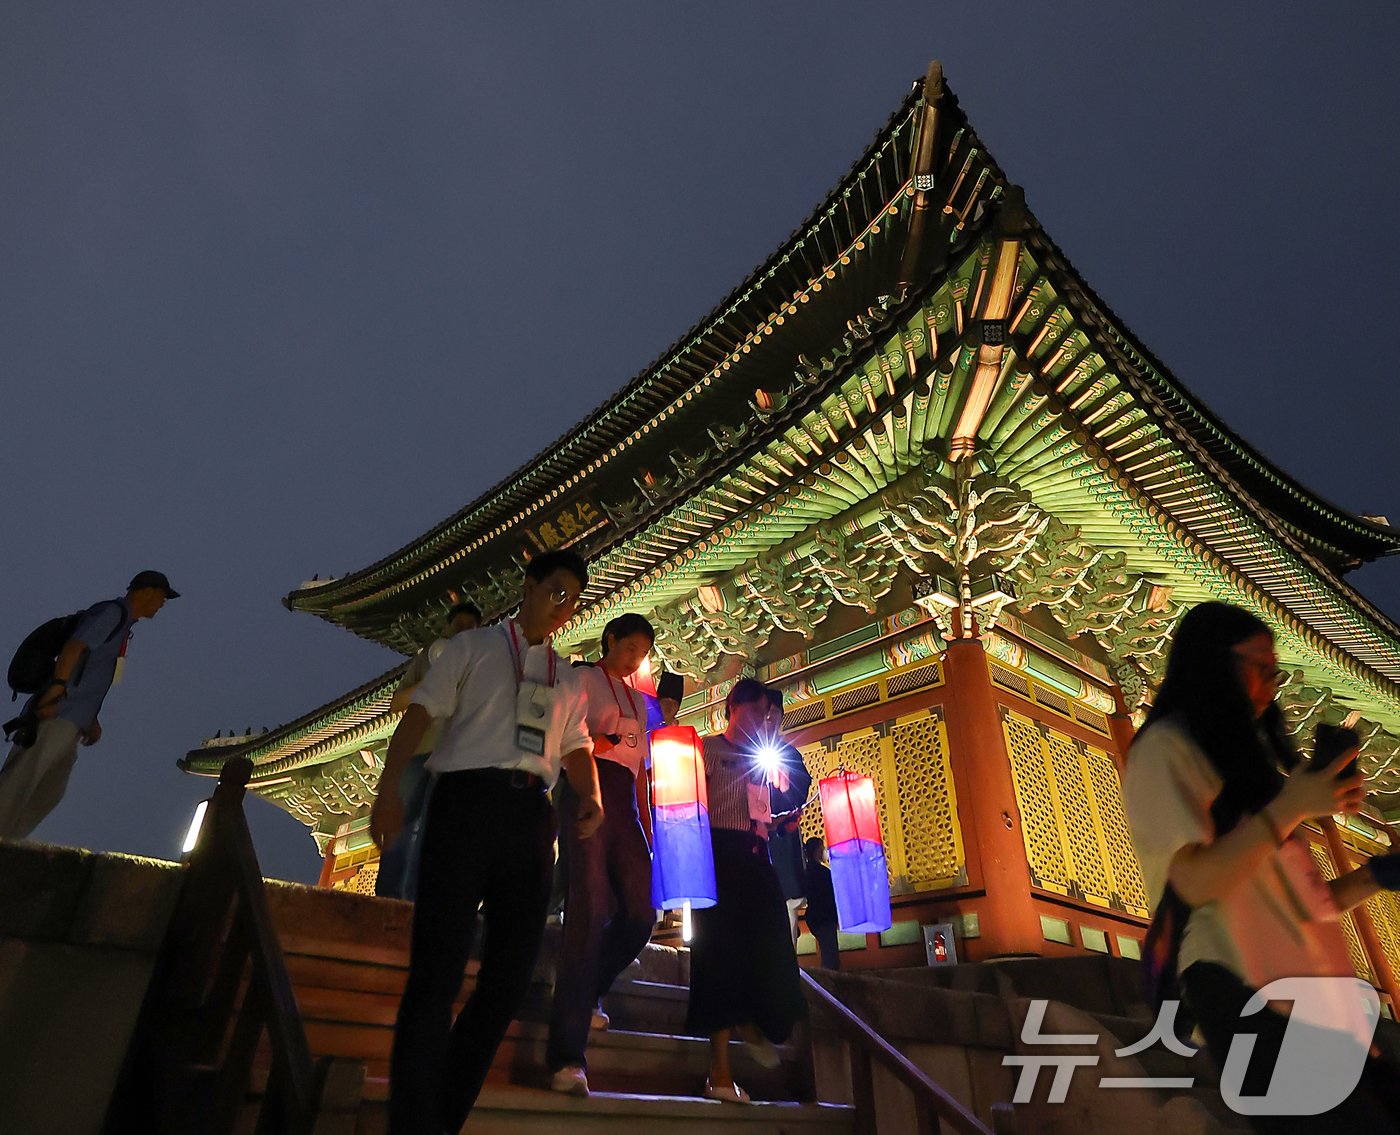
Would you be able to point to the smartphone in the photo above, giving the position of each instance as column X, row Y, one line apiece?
column 1330, row 742
column 670, row 687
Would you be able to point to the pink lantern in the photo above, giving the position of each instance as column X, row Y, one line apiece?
column 682, row 860
column 859, row 875
column 643, row 680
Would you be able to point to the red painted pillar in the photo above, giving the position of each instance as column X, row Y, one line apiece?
column 1120, row 725
column 977, row 748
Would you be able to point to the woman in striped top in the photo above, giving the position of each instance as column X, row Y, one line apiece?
column 743, row 971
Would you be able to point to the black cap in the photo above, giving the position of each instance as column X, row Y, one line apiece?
column 152, row 579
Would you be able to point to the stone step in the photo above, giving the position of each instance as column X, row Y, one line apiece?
column 618, row 1060
column 639, row 1006
column 523, row 1111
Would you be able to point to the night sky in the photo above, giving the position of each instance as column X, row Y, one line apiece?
column 283, row 286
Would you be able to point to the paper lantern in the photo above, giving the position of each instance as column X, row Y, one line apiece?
column 642, row 679
column 859, row 875
column 682, row 859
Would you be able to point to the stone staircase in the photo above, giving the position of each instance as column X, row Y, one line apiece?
column 79, row 934
column 347, row 958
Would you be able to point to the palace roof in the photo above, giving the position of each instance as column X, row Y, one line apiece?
column 921, row 307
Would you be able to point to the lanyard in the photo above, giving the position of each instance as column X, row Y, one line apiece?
column 517, row 656
column 632, row 705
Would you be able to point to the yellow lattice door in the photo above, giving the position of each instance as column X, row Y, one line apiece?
column 856, row 752
column 1035, row 797
column 930, row 836
column 913, row 792
column 1072, row 818
column 1358, row 953
column 1088, row 854
column 1107, row 790
column 362, row 881
column 1385, row 913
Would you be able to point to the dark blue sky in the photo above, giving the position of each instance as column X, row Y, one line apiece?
column 282, row 286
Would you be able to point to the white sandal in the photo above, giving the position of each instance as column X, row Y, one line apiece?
column 726, row 1093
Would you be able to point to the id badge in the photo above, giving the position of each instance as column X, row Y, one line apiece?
column 532, row 705
column 630, row 746
column 760, row 806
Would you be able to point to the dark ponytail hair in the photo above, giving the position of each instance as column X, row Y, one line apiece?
column 1202, row 690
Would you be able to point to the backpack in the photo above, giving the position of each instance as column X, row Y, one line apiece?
column 1161, row 954
column 34, row 661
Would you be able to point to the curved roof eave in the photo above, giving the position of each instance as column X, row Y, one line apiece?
column 322, row 597
column 1311, row 516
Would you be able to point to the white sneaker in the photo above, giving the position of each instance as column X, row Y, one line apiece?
column 571, row 1080
column 600, row 1021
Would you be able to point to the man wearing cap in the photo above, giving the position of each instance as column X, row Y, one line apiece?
column 34, row 778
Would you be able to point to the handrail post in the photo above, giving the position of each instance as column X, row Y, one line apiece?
column 867, row 1046
column 862, row 1090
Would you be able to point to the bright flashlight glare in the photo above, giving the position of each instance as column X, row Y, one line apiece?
column 769, row 758
column 192, row 836
column 685, row 923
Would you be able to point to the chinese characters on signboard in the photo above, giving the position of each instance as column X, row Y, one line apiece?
column 562, row 524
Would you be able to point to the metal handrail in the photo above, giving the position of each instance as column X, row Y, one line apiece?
column 933, row 1104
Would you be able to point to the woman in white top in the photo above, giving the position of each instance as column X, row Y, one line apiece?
column 1214, row 819
column 608, row 915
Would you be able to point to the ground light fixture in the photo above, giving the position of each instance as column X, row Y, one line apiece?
column 196, row 822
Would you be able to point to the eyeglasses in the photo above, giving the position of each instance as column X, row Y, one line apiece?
column 1266, row 668
column 562, row 597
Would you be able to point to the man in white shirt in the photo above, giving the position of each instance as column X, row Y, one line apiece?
column 514, row 715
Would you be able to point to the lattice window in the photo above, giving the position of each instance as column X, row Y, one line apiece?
column 1385, row 913
column 1354, row 947
column 804, row 714
column 1009, row 679
column 848, row 700
column 1088, row 855
column 914, row 792
column 1058, row 702
column 362, row 881
column 928, row 811
column 1092, row 718
column 1040, row 826
column 915, row 678
column 820, row 762
column 1108, row 796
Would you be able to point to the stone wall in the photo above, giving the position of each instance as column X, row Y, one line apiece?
column 78, row 937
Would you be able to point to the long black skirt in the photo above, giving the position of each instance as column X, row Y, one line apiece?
column 743, row 969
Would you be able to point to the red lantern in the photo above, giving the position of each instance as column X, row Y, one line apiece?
column 859, row 874
column 682, row 861
column 849, row 809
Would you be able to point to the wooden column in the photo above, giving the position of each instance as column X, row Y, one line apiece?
column 1365, row 927
column 1009, row 922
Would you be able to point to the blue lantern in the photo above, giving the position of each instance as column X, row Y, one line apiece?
column 859, row 874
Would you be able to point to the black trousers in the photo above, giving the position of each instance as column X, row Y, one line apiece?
column 1216, row 998
column 608, row 917
column 488, row 841
column 828, row 944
